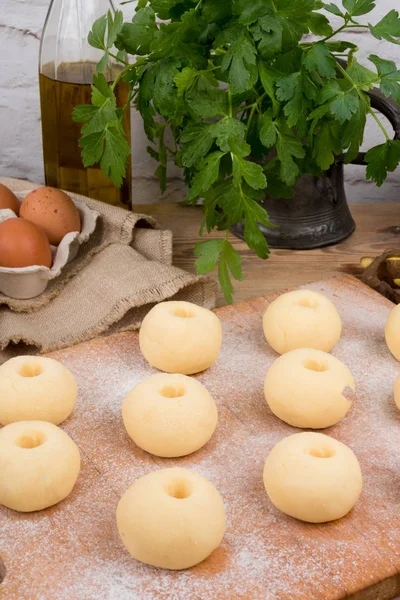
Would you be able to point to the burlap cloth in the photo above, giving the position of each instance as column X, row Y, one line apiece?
column 119, row 274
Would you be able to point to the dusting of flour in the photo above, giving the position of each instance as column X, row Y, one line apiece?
column 73, row 552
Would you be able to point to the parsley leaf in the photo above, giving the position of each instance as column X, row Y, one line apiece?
column 144, row 98
column 185, row 79
column 356, row 8
column 288, row 147
column 254, row 215
column 268, row 131
column 318, row 58
column 342, row 101
column 233, row 261
column 96, row 37
column 208, row 253
column 98, row 120
column 319, row 25
column 248, row 12
column 114, row 26
column 390, row 77
column 345, row 105
column 162, row 8
column 294, row 17
column 103, row 138
column 268, row 32
column 268, row 79
column 84, row 112
column 297, row 89
column 238, row 147
column 216, row 12
column 249, row 171
column 388, row 28
column 208, row 103
column 224, row 279
column 208, row 172
column 364, row 78
column 92, row 146
column 180, row 39
column 298, row 10
column 116, row 153
column 229, row 129
column 327, row 144
column 101, row 91
column 382, row 160
column 353, row 133
column 197, row 140
column 136, row 37
column 240, row 60
column 103, row 62
column 212, row 251
column 164, row 91
column 332, row 8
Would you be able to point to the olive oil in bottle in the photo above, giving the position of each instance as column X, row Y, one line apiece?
column 67, row 65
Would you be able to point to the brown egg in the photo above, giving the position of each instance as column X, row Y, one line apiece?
column 53, row 210
column 23, row 244
column 8, row 199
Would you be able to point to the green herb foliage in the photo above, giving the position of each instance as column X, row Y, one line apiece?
column 252, row 103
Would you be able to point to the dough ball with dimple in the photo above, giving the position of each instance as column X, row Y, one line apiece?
column 39, row 465
column 312, row 477
column 302, row 319
column 36, row 388
column 392, row 332
column 180, row 337
column 397, row 392
column 172, row 518
column 309, row 388
column 169, row 415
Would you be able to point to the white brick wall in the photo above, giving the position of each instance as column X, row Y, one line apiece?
column 21, row 23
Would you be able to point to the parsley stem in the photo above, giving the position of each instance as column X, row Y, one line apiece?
column 252, row 107
column 381, row 126
column 230, row 101
column 121, row 60
column 345, row 26
column 127, row 103
column 251, row 116
column 328, row 37
column 120, row 75
column 364, row 100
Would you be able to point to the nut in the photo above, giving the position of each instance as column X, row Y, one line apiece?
column 393, row 267
column 366, row 261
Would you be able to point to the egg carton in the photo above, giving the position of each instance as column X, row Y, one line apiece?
column 29, row 282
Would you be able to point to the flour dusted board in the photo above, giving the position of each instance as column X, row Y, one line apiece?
column 72, row 551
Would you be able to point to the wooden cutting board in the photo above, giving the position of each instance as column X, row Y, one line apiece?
column 73, row 552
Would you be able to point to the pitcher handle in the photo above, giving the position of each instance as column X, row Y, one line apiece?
column 387, row 107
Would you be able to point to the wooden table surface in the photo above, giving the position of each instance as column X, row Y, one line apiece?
column 72, row 551
column 377, row 229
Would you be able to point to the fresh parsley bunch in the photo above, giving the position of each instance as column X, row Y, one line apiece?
column 234, row 79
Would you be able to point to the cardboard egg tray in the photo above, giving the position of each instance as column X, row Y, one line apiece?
column 29, row 282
